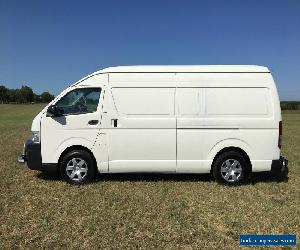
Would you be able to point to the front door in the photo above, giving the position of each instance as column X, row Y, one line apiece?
column 78, row 124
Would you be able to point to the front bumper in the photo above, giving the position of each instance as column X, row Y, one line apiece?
column 32, row 156
column 280, row 166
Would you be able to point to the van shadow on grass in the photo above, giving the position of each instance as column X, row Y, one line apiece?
column 47, row 176
column 268, row 177
column 132, row 177
column 153, row 177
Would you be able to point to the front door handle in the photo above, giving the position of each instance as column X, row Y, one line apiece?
column 93, row 122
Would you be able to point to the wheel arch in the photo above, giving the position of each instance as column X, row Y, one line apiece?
column 231, row 144
column 236, row 149
column 76, row 147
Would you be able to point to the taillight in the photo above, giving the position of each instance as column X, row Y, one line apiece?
column 280, row 135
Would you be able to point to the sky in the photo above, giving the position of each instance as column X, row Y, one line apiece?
column 48, row 45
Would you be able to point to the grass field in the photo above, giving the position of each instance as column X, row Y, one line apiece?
column 139, row 211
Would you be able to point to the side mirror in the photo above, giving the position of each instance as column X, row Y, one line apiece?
column 54, row 111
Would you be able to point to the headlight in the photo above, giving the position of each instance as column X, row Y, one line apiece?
column 35, row 136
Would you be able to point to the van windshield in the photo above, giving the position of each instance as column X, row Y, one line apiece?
column 78, row 101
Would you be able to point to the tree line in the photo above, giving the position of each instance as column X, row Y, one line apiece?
column 289, row 105
column 23, row 95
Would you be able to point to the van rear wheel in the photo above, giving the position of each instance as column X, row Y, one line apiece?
column 77, row 167
column 231, row 168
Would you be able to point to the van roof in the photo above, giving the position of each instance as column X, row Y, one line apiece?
column 186, row 68
column 180, row 69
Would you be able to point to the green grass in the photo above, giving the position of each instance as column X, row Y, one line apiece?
column 138, row 211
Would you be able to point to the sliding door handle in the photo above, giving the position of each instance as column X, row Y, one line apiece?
column 114, row 123
column 93, row 122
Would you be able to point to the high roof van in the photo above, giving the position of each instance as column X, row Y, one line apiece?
column 224, row 120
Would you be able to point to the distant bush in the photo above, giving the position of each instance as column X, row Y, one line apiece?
column 23, row 95
column 289, row 105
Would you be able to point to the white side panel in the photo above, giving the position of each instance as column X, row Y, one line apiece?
column 246, row 118
column 189, row 109
column 238, row 102
column 198, row 145
column 188, row 101
column 144, row 102
column 145, row 137
column 142, row 144
column 141, row 148
column 142, row 80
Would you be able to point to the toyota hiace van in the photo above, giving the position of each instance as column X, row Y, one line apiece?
column 224, row 120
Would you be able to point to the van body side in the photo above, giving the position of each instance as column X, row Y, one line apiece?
column 162, row 119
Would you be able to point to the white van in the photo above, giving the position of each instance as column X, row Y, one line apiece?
column 224, row 120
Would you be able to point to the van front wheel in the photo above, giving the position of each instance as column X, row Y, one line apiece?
column 231, row 168
column 77, row 167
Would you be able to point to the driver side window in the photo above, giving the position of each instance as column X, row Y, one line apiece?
column 79, row 101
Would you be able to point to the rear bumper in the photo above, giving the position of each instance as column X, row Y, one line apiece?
column 32, row 156
column 280, row 165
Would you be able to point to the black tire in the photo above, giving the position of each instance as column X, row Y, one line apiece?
column 80, row 165
column 231, row 168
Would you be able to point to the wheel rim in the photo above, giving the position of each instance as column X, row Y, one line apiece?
column 76, row 169
column 231, row 170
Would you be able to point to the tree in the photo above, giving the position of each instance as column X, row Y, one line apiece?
column 26, row 94
column 3, row 94
column 46, row 97
column 12, row 95
column 36, row 98
column 289, row 105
